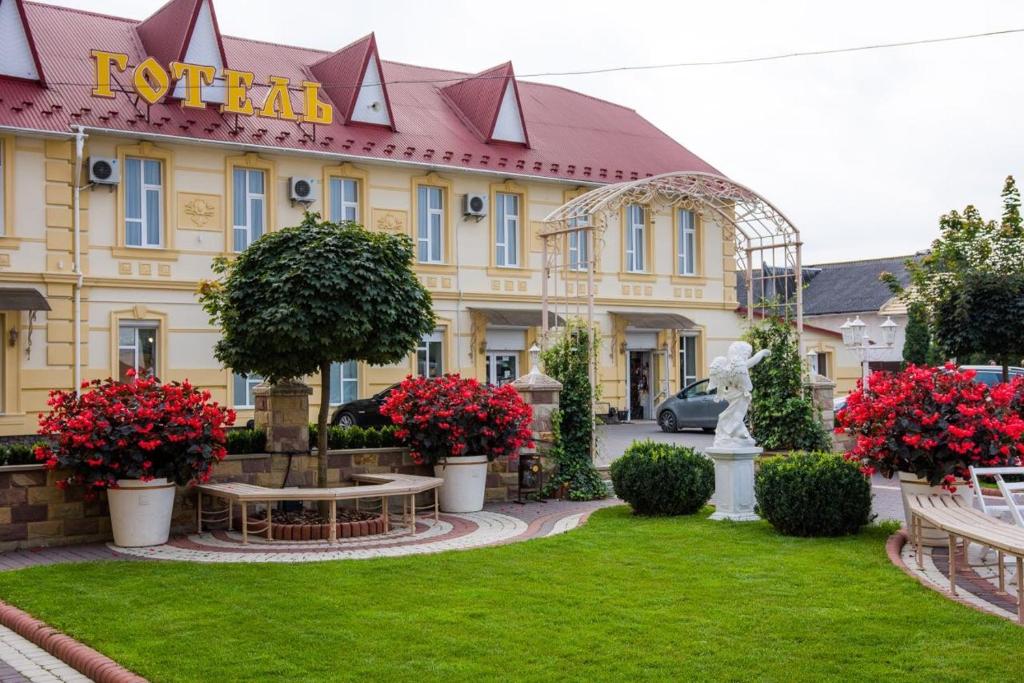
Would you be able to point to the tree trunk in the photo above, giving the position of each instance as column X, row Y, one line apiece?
column 325, row 407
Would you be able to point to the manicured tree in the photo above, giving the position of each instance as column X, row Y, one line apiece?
column 568, row 360
column 971, row 259
column 781, row 419
column 918, row 342
column 299, row 299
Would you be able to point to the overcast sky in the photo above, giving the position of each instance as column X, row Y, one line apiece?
column 862, row 151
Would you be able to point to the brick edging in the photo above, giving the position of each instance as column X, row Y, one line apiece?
column 894, row 549
column 83, row 658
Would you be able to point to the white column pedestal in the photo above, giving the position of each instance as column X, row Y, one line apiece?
column 734, row 482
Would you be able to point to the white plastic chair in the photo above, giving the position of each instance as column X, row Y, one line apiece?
column 1011, row 511
column 1009, row 490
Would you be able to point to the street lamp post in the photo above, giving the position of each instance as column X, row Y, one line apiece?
column 856, row 338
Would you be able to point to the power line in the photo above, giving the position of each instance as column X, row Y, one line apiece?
column 671, row 65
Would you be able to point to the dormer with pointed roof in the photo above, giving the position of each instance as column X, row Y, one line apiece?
column 354, row 81
column 186, row 31
column 18, row 55
column 489, row 103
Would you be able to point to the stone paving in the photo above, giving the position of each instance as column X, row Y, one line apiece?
column 977, row 577
column 22, row 661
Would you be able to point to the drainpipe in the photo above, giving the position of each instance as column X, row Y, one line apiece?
column 76, row 263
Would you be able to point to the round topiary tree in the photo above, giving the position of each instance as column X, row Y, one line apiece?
column 813, row 494
column 302, row 298
column 663, row 479
column 781, row 419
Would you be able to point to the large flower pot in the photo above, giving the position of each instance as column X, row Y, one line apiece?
column 465, row 479
column 140, row 512
column 911, row 485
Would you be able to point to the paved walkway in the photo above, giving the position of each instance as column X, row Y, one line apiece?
column 22, row 661
column 977, row 578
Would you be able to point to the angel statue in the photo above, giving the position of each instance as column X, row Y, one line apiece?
column 730, row 375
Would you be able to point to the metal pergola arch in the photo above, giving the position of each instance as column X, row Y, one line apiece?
column 767, row 243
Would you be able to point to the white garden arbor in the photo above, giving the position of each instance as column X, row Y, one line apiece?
column 767, row 244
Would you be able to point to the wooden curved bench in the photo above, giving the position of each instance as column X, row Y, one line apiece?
column 382, row 486
column 952, row 514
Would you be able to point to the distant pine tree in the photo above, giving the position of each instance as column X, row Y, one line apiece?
column 918, row 342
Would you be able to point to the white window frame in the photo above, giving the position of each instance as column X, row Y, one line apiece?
column 338, row 373
column 437, row 336
column 144, row 189
column 820, row 359
column 138, row 326
column 338, row 208
column 636, row 232
column 251, row 382
column 247, row 228
column 507, row 225
column 423, row 236
column 492, row 365
column 3, row 197
column 687, row 257
column 687, row 380
column 579, row 247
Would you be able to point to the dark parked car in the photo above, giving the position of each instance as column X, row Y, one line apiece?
column 694, row 406
column 362, row 412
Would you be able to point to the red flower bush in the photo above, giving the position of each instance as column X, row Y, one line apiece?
column 934, row 423
column 139, row 429
column 445, row 417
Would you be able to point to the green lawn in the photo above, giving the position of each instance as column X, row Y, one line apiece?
column 621, row 599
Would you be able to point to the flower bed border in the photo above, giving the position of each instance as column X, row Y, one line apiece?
column 321, row 532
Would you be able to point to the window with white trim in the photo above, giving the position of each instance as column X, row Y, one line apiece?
column 344, row 382
column 687, row 240
column 821, row 363
column 137, row 350
column 344, row 199
column 3, row 175
column 430, row 355
column 579, row 249
column 143, row 202
column 636, row 232
column 250, row 206
column 687, row 360
column 243, row 385
column 430, row 223
column 506, row 241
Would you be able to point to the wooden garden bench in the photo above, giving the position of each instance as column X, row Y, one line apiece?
column 950, row 513
column 382, row 486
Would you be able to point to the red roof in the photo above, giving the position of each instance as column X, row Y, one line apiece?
column 572, row 136
column 165, row 34
column 343, row 72
column 478, row 98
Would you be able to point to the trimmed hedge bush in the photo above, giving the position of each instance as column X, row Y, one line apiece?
column 339, row 438
column 663, row 479
column 242, row 441
column 813, row 494
column 18, row 454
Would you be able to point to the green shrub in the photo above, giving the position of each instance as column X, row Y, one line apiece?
column 242, row 441
column 663, row 479
column 18, row 454
column 342, row 438
column 813, row 494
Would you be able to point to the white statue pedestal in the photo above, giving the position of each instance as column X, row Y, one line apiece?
column 734, row 482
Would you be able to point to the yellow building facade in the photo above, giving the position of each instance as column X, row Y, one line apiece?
column 138, row 305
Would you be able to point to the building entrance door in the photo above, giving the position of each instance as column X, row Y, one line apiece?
column 638, row 382
column 502, row 367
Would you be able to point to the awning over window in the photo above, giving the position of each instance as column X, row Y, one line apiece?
column 22, row 299
column 515, row 317
column 655, row 321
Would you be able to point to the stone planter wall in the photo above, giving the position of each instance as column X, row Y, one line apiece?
column 35, row 513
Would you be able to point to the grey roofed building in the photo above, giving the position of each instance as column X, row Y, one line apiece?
column 832, row 288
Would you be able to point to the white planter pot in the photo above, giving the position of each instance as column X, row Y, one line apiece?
column 465, row 479
column 140, row 512
column 911, row 485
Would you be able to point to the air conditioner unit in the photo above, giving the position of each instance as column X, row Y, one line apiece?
column 104, row 171
column 474, row 205
column 301, row 190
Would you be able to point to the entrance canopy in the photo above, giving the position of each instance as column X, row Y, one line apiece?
column 22, row 299
column 655, row 321
column 509, row 317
